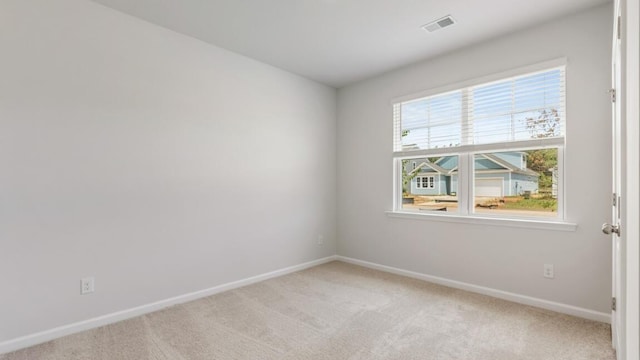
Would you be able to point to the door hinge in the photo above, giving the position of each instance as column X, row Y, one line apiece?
column 619, row 206
column 613, row 304
column 612, row 93
column 615, row 199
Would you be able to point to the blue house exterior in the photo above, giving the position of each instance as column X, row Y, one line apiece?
column 496, row 175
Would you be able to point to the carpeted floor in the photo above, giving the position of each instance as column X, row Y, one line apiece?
column 339, row 311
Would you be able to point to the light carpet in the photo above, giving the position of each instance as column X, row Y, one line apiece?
column 339, row 311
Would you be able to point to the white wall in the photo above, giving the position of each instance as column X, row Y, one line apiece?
column 507, row 259
column 155, row 162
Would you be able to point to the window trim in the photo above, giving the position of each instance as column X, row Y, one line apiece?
column 545, row 65
column 485, row 220
column 466, row 155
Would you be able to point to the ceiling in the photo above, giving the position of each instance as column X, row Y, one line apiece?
column 338, row 42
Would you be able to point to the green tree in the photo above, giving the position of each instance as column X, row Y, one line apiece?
column 407, row 176
column 544, row 161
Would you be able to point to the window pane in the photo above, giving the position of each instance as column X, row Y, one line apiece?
column 520, row 108
column 432, row 185
column 432, row 122
column 538, row 91
column 492, row 99
column 492, row 130
column 522, row 183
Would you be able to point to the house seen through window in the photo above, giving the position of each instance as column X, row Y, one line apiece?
column 489, row 149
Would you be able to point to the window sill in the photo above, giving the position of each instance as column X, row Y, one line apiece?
column 486, row 220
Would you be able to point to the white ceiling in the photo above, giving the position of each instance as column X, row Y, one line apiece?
column 338, row 42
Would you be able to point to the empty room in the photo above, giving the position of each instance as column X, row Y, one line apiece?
column 319, row 179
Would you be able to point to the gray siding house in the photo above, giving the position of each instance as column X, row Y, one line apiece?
column 496, row 175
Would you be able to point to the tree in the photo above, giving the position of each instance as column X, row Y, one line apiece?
column 407, row 176
column 544, row 161
column 546, row 124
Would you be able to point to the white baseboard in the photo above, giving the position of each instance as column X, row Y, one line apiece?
column 48, row 335
column 521, row 299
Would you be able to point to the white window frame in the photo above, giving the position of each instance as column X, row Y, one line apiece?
column 466, row 159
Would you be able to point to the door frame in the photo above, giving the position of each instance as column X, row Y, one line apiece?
column 618, row 193
column 629, row 96
column 630, row 28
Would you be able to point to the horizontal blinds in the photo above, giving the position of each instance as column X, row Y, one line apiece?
column 517, row 109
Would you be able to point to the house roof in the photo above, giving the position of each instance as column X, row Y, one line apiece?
column 493, row 158
column 431, row 165
column 509, row 166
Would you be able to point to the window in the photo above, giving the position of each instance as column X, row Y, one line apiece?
column 496, row 148
column 425, row 182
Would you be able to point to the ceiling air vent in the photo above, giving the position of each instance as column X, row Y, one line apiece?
column 439, row 24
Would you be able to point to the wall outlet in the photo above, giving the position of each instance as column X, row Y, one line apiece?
column 87, row 285
column 320, row 240
column 548, row 271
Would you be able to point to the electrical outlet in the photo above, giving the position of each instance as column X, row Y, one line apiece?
column 87, row 285
column 320, row 240
column 548, row 271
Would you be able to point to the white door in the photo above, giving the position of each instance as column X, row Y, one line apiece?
column 489, row 187
column 613, row 228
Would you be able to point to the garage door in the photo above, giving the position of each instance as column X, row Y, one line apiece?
column 489, row 187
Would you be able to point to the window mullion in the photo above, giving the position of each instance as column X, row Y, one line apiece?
column 513, row 109
column 466, row 137
column 560, row 183
column 471, row 157
column 464, row 176
column 463, row 184
column 429, row 125
column 397, row 184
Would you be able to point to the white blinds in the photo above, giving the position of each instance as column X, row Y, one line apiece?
column 517, row 109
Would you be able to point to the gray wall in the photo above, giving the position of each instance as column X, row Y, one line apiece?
column 122, row 147
column 502, row 258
